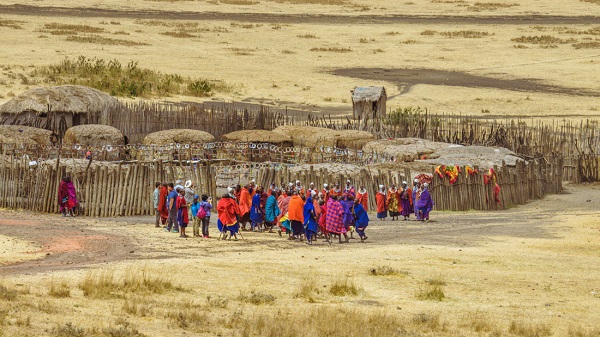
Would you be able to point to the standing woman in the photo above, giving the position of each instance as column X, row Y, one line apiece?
column 393, row 204
column 163, row 209
column 63, row 196
column 67, row 197
column 381, row 199
column 272, row 210
column 406, row 200
column 256, row 213
column 310, row 218
column 363, row 198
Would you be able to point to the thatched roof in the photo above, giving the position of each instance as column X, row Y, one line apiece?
column 313, row 136
column 93, row 134
column 257, row 136
column 367, row 94
column 75, row 99
column 181, row 136
column 436, row 153
column 27, row 135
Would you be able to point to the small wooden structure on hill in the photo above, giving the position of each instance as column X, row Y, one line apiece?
column 368, row 106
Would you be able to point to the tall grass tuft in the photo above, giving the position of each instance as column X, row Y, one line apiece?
column 124, row 80
column 308, row 289
column 7, row 294
column 529, row 329
column 59, row 289
column 256, row 298
column 343, row 288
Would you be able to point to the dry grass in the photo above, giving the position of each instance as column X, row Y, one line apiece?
column 217, row 302
column 7, row 294
column 490, row 6
column 308, row 289
column 332, row 49
column 597, row 2
column 344, row 288
column 97, row 39
column 429, row 321
column 138, row 307
column 432, row 291
column 307, row 36
column 587, row 45
column 429, row 32
column 14, row 24
column 467, row 34
column 529, row 329
column 239, row 2
column 314, row 2
column 59, row 289
column 68, row 330
column 256, row 298
column 288, row 52
column 447, row 1
column 542, row 40
column 384, row 271
column 178, row 34
column 392, row 33
column 70, row 29
column 104, row 284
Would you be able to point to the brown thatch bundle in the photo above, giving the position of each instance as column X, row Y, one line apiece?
column 257, row 136
column 25, row 135
column 93, row 134
column 313, row 136
column 181, row 136
column 76, row 99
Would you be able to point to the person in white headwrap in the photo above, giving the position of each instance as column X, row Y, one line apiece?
column 325, row 193
column 381, row 199
column 416, row 193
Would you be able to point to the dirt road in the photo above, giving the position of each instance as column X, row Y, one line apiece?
column 47, row 11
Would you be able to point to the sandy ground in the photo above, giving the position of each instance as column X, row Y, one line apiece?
column 538, row 263
column 311, row 56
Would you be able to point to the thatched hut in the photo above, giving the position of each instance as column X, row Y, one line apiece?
column 93, row 134
column 60, row 107
column 311, row 136
column 19, row 134
column 178, row 136
column 258, row 136
column 368, row 105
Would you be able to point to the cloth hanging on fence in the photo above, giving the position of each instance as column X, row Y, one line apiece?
column 424, row 178
column 469, row 171
column 490, row 176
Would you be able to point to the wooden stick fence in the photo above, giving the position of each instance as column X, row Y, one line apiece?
column 518, row 185
column 118, row 189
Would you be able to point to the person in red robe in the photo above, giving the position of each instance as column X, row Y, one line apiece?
column 381, row 200
column 227, row 212
column 362, row 197
column 324, row 195
column 406, row 201
column 163, row 208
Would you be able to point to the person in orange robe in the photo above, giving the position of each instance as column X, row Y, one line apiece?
column 244, row 202
column 296, row 215
column 362, row 197
column 381, row 199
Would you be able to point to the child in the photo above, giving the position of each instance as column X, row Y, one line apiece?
column 205, row 206
column 362, row 220
column 195, row 219
column 182, row 216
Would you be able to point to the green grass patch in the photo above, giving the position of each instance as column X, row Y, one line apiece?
column 129, row 80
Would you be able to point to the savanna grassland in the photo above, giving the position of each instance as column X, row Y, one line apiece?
column 527, row 271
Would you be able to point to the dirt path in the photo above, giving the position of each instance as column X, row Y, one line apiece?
column 65, row 242
column 405, row 79
column 76, row 243
column 47, row 11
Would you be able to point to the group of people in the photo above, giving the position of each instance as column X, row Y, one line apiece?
column 301, row 213
column 177, row 204
column 404, row 201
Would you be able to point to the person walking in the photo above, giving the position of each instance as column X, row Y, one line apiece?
column 172, row 224
column 204, row 214
column 295, row 214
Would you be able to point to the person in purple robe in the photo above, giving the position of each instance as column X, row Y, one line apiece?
column 348, row 204
column 406, row 201
column 425, row 203
column 67, row 197
column 415, row 197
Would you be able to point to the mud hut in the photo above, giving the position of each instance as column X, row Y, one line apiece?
column 93, row 134
column 368, row 105
column 311, row 136
column 19, row 134
column 258, row 136
column 178, row 136
column 59, row 108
